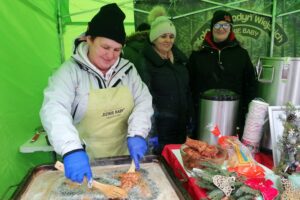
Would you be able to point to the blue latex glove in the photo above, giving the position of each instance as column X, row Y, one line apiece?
column 77, row 166
column 153, row 141
column 137, row 148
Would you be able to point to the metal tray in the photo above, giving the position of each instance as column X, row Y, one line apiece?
column 44, row 180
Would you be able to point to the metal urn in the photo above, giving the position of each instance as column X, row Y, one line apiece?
column 217, row 107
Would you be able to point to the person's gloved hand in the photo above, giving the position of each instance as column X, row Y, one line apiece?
column 137, row 148
column 77, row 166
column 153, row 141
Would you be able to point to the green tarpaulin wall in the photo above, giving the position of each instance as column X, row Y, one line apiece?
column 34, row 43
column 29, row 53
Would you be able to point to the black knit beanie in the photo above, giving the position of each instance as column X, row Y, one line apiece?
column 220, row 15
column 108, row 22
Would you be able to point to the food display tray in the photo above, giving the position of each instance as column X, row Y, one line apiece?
column 45, row 182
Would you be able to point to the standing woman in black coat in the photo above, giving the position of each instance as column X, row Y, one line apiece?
column 162, row 67
column 221, row 63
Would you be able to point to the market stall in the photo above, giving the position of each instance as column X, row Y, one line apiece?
column 173, row 157
column 38, row 35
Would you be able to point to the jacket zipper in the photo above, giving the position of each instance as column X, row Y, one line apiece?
column 98, row 77
column 219, row 53
column 75, row 110
column 114, row 74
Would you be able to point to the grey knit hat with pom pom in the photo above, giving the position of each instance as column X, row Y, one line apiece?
column 161, row 25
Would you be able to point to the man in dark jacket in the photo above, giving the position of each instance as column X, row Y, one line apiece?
column 221, row 63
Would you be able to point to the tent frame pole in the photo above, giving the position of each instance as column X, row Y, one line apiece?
column 274, row 7
column 60, row 32
column 207, row 9
column 273, row 17
column 237, row 8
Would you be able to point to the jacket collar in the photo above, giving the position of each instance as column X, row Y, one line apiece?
column 138, row 36
column 81, row 57
column 153, row 56
column 208, row 42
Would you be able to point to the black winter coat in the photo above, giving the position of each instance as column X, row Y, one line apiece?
column 169, row 85
column 134, row 45
column 227, row 68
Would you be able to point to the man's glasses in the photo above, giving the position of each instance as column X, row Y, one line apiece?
column 224, row 26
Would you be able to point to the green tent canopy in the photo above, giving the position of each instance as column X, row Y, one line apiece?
column 37, row 36
column 32, row 41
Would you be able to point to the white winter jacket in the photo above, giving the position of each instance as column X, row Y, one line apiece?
column 66, row 98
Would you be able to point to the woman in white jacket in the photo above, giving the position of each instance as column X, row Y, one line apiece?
column 97, row 100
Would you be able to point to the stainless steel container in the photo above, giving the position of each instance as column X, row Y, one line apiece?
column 217, row 107
column 279, row 80
column 278, row 83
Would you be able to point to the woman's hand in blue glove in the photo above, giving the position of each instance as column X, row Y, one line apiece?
column 77, row 166
column 137, row 148
column 153, row 141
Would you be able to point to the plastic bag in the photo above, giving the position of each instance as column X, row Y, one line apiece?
column 240, row 159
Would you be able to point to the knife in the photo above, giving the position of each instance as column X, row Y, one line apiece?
column 37, row 134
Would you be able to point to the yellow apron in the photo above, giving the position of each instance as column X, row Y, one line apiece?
column 104, row 125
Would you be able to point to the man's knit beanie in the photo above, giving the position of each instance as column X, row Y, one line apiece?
column 220, row 15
